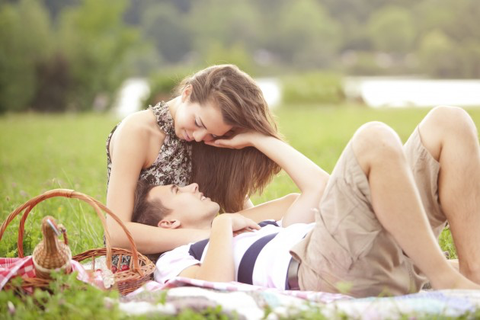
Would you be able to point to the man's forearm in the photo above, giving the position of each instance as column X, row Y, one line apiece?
column 218, row 264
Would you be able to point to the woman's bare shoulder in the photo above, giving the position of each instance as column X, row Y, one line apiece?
column 142, row 123
column 139, row 129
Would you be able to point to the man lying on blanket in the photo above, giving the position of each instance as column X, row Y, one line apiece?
column 372, row 225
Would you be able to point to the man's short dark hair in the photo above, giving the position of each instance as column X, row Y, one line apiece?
column 147, row 211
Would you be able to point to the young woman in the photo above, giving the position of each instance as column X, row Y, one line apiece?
column 164, row 145
column 379, row 215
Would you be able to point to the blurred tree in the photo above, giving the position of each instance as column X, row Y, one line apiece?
column 96, row 43
column 53, row 83
column 54, row 51
column 363, row 63
column 183, row 5
column 56, row 6
column 164, row 26
column 266, row 27
column 25, row 41
column 226, row 22
column 137, row 8
column 469, row 56
column 464, row 22
column 133, row 13
column 235, row 54
column 392, row 30
column 432, row 15
column 306, row 36
column 453, row 27
column 437, row 55
column 164, row 82
column 145, row 59
column 352, row 16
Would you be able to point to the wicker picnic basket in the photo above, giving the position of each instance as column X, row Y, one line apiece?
column 140, row 267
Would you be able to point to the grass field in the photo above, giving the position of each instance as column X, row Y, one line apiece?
column 42, row 152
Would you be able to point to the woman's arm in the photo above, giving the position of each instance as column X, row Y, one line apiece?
column 247, row 204
column 273, row 209
column 130, row 152
column 309, row 178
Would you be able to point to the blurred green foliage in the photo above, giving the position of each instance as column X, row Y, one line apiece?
column 312, row 88
column 392, row 29
column 66, row 64
column 73, row 54
column 24, row 42
column 95, row 41
column 272, row 37
column 162, row 85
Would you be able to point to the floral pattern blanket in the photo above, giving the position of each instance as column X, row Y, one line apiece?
column 243, row 301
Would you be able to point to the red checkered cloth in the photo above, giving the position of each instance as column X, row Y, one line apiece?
column 23, row 267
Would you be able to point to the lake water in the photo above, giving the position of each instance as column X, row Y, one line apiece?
column 130, row 97
column 134, row 90
column 412, row 92
column 373, row 91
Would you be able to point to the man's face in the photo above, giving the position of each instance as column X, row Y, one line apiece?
column 187, row 204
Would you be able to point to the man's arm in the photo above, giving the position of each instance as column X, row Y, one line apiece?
column 218, row 264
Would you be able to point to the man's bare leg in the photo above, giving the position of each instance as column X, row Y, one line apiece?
column 397, row 205
column 450, row 135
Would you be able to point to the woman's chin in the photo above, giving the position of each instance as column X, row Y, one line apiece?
column 215, row 208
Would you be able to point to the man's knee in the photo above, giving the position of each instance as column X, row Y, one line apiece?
column 375, row 137
column 447, row 125
column 376, row 141
column 454, row 119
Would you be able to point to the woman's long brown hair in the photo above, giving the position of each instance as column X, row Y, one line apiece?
column 228, row 176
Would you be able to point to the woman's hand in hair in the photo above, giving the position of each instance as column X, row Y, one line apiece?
column 239, row 140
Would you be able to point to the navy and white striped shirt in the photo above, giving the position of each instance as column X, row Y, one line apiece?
column 261, row 257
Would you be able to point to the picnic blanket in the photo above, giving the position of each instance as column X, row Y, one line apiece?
column 23, row 267
column 244, row 301
column 251, row 302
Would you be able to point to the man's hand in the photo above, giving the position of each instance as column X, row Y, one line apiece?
column 238, row 222
column 218, row 264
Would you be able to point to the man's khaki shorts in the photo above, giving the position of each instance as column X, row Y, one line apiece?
column 348, row 250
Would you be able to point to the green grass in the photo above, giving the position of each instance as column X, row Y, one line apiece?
column 42, row 152
column 322, row 133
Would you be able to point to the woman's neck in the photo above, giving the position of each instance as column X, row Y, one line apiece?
column 173, row 105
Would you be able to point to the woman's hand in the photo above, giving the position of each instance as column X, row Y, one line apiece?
column 240, row 140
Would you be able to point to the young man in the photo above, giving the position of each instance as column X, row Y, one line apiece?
column 376, row 225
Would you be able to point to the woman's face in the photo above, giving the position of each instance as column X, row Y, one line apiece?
column 198, row 122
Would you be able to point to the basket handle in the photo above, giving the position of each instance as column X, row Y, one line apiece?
column 97, row 205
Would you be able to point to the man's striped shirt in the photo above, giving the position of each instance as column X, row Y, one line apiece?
column 261, row 257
